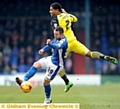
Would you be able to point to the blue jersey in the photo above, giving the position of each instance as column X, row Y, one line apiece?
column 59, row 51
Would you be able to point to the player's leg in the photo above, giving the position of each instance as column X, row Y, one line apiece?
column 68, row 84
column 98, row 55
column 63, row 75
column 81, row 49
column 31, row 72
column 47, row 90
column 51, row 72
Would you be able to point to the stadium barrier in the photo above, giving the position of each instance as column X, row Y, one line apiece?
column 108, row 79
column 9, row 80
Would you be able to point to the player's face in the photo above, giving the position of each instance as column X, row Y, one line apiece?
column 52, row 12
column 57, row 34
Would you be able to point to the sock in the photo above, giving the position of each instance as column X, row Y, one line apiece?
column 30, row 73
column 47, row 90
column 64, row 77
column 102, row 57
column 62, row 73
column 97, row 55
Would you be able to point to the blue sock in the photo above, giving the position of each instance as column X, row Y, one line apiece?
column 47, row 90
column 31, row 72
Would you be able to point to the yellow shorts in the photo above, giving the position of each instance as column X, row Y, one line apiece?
column 77, row 47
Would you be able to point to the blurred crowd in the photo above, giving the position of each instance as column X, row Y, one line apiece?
column 105, row 33
column 20, row 40
column 25, row 26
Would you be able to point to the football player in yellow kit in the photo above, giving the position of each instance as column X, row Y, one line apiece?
column 61, row 18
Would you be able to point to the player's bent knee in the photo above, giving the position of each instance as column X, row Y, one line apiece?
column 62, row 73
column 46, row 82
column 37, row 65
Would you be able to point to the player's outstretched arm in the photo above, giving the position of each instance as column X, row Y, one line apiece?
column 41, row 51
column 57, row 46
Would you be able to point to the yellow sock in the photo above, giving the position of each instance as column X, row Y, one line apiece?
column 95, row 55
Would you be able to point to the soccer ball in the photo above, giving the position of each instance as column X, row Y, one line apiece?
column 26, row 86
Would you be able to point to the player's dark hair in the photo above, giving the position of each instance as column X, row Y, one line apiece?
column 56, row 6
column 60, row 29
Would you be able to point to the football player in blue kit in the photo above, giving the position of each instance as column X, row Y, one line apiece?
column 53, row 64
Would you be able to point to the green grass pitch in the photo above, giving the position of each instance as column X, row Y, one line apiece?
column 89, row 97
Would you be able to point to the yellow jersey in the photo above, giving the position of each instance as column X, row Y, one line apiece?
column 65, row 21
